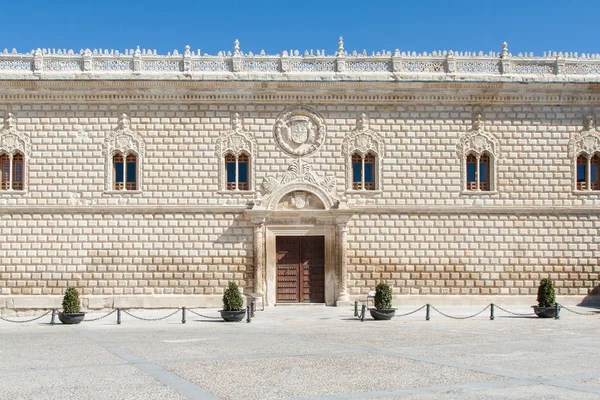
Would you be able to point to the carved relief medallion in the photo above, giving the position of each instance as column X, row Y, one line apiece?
column 299, row 131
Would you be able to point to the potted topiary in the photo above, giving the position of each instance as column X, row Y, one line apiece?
column 383, row 303
column 233, row 304
column 71, row 308
column 546, row 298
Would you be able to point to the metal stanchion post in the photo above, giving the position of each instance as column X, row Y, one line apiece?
column 492, row 311
column 52, row 321
column 363, row 312
column 427, row 312
column 183, row 315
column 355, row 308
column 557, row 309
column 118, row 316
column 248, row 316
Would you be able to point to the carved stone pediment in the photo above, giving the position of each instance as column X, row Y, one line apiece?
column 300, row 200
column 586, row 141
column 235, row 140
column 477, row 141
column 298, row 172
column 11, row 140
column 363, row 139
column 123, row 139
column 298, row 177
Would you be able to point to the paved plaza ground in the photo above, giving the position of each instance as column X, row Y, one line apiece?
column 307, row 353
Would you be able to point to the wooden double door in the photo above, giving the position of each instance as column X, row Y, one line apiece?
column 300, row 269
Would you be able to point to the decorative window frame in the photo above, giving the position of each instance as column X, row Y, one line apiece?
column 11, row 142
column 363, row 140
column 478, row 142
column 587, row 143
column 236, row 141
column 126, row 141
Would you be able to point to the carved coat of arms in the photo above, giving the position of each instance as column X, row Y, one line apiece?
column 299, row 132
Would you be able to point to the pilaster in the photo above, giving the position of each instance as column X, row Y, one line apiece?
column 259, row 254
column 342, row 245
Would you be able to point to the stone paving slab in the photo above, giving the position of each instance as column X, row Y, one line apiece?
column 318, row 375
column 84, row 382
column 303, row 352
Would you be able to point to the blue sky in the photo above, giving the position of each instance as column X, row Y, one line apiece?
column 426, row 25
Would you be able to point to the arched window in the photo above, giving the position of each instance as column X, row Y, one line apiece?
column 471, row 172
column 125, row 172
column 12, row 172
column 595, row 172
column 236, row 149
column 478, row 152
column 588, row 172
column 14, row 151
column 124, row 153
column 478, row 172
column 484, row 172
column 131, row 169
column 5, row 171
column 363, row 151
column 18, row 171
column 363, row 171
column 356, row 171
column 243, row 182
column 237, row 169
column 582, row 172
column 119, row 172
column 231, row 169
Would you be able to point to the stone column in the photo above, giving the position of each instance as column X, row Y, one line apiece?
column 343, row 296
column 259, row 256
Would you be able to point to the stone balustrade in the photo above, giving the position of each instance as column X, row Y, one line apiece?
column 292, row 65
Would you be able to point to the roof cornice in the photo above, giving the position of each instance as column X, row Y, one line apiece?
column 242, row 92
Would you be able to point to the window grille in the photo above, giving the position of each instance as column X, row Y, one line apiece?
column 582, row 172
column 131, row 168
column 119, row 172
column 5, row 171
column 363, row 171
column 18, row 163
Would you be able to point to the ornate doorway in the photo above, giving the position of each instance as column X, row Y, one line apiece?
column 300, row 269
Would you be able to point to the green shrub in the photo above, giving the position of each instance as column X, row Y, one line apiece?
column 546, row 296
column 232, row 298
column 383, row 296
column 70, row 303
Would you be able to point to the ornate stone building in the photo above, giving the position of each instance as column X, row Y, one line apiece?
column 152, row 180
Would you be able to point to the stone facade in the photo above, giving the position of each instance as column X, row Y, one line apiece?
column 180, row 234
